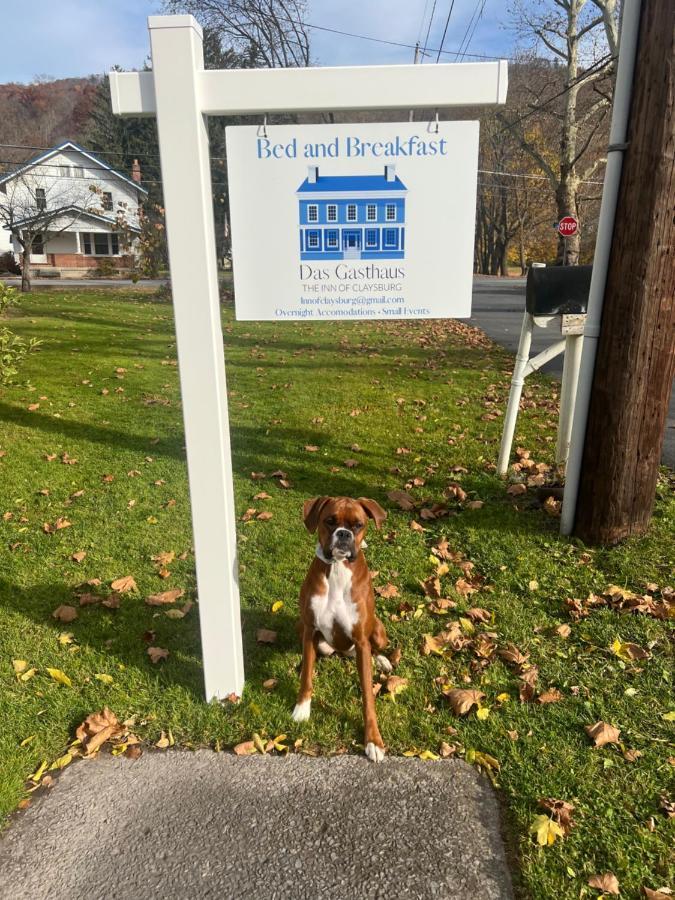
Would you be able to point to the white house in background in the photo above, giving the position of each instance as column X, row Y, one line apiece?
column 91, row 194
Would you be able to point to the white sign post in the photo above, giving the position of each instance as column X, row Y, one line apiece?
column 181, row 93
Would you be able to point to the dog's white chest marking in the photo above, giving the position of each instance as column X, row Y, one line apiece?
column 335, row 606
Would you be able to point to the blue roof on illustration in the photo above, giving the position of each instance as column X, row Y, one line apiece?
column 350, row 183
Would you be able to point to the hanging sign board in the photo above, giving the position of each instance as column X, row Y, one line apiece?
column 362, row 221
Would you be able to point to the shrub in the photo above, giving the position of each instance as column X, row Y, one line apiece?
column 13, row 349
column 105, row 268
column 8, row 263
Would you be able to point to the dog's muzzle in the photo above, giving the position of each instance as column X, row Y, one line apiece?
column 342, row 544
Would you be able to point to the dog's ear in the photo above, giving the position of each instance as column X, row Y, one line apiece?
column 374, row 510
column 311, row 510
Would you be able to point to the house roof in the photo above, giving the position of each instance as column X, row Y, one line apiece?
column 81, row 214
column 325, row 183
column 71, row 145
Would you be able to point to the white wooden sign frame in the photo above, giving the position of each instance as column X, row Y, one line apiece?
column 181, row 93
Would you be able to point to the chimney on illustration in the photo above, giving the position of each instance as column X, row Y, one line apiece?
column 136, row 171
column 390, row 173
column 312, row 174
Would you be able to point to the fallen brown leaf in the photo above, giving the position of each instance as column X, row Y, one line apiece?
column 387, row 591
column 405, row 501
column 462, row 700
column 78, row 556
column 560, row 810
column 97, row 729
column 124, row 585
column 157, row 653
column 164, row 597
column 552, row 695
column 606, row 883
column 65, row 613
column 602, row 733
column 265, row 636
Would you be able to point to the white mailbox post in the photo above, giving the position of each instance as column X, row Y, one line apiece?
column 181, row 93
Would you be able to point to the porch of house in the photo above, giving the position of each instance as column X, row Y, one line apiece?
column 79, row 254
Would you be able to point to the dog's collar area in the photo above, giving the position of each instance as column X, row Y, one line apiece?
column 331, row 562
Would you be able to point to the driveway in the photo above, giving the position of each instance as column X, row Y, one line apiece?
column 498, row 306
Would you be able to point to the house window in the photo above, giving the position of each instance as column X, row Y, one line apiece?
column 332, row 242
column 390, row 238
column 351, row 212
column 77, row 172
column 312, row 213
column 101, row 244
column 38, row 244
column 107, row 200
column 64, row 171
column 331, row 213
column 313, row 240
column 40, row 198
column 371, row 212
column 391, row 212
column 371, row 237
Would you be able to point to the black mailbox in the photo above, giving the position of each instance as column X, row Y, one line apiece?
column 560, row 290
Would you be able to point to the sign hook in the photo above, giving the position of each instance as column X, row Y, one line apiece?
column 262, row 129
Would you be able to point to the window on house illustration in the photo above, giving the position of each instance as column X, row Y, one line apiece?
column 331, row 212
column 371, row 212
column 114, row 244
column 312, row 213
column 390, row 238
column 332, row 240
column 40, row 198
column 391, row 212
column 351, row 212
column 371, row 237
column 313, row 240
column 107, row 200
column 38, row 244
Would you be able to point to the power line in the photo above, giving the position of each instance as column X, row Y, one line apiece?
column 473, row 31
column 426, row 39
column 445, row 30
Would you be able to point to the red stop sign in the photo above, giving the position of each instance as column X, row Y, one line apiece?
column 568, row 226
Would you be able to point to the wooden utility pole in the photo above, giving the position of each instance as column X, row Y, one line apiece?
column 636, row 350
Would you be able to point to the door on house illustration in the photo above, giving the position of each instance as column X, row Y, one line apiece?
column 351, row 244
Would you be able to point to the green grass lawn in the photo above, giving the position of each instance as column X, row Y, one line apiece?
column 422, row 401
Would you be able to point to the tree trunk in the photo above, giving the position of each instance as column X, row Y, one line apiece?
column 25, row 269
column 636, row 348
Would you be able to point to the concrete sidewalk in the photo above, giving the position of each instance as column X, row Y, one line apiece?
column 196, row 825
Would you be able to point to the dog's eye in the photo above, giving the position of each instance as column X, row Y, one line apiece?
column 330, row 521
column 357, row 526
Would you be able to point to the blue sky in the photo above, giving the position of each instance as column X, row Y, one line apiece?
column 84, row 37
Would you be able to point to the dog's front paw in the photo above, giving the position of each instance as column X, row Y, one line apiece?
column 302, row 711
column 383, row 664
column 374, row 753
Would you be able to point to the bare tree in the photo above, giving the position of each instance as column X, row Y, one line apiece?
column 572, row 93
column 36, row 207
column 271, row 33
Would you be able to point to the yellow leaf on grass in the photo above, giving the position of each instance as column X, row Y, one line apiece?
column 669, row 716
column 61, row 762
column 19, row 665
column 627, row 651
column 26, row 741
column 483, row 713
column 277, row 606
column 60, row 676
column 101, row 676
column 37, row 775
column 258, row 743
column 428, row 754
column 545, row 830
column 27, row 675
column 66, row 637
column 503, row 698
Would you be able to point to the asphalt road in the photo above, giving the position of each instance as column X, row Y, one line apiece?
column 212, row 825
column 498, row 307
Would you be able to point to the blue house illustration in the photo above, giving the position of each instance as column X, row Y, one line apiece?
column 352, row 216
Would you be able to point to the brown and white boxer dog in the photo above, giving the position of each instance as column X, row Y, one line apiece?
column 337, row 605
